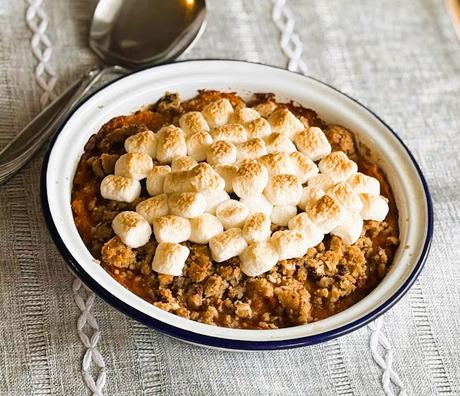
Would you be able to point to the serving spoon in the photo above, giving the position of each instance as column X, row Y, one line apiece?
column 125, row 34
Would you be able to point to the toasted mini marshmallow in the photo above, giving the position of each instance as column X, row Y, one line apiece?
column 338, row 166
column 362, row 183
column 233, row 133
column 257, row 203
column 155, row 179
column 178, row 182
column 187, row 204
column 289, row 244
column 277, row 142
column 283, row 190
column 142, row 142
column 326, row 213
column 243, row 115
column 302, row 223
column 205, row 227
column 198, row 145
column 119, row 188
column 251, row 149
column 213, row 199
column 135, row 165
column 228, row 173
column 171, row 229
column 250, row 180
column 171, row 144
column 277, row 163
column 132, row 229
column 258, row 128
column 184, row 163
column 350, row 230
column 321, row 181
column 193, row 122
column 257, row 227
column 204, row 178
column 313, row 143
column 227, row 244
column 266, row 108
column 169, row 258
column 281, row 214
column 374, row 207
column 257, row 258
column 344, row 195
column 304, row 167
column 232, row 214
column 218, row 113
column 310, row 195
column 221, row 152
column 284, row 122
column 153, row 207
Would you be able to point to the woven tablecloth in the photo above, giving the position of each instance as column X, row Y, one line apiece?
column 399, row 57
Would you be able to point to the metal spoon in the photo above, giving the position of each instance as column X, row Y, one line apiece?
column 126, row 34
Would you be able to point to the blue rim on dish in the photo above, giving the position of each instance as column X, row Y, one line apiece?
column 216, row 342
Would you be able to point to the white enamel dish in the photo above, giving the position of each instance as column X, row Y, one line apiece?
column 131, row 92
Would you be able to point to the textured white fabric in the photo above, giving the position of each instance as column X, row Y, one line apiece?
column 401, row 58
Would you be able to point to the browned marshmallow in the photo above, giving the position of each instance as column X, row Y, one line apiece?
column 326, row 214
column 283, row 190
column 155, row 179
column 277, row 142
column 205, row 227
column 234, row 133
column 177, row 182
column 153, row 207
column 265, row 109
column 142, row 142
column 257, row 227
column 243, row 115
column 120, row 188
column 228, row 244
column 171, row 144
column 304, row 167
column 170, row 258
column 257, row 258
column 221, row 152
column 284, row 122
column 204, row 178
column 281, row 214
column 277, row 163
column 171, row 229
column 198, row 145
column 375, row 207
column 250, row 149
column 250, row 180
column 344, row 194
column 289, row 244
column 310, row 195
column 193, row 122
column 313, row 143
column 321, row 181
column 362, row 183
column 258, row 128
column 217, row 113
column 135, row 165
column 232, row 214
column 338, row 166
column 311, row 232
column 187, row 204
column 228, row 173
column 184, row 163
column 132, row 229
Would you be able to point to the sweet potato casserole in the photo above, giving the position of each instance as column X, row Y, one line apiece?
column 246, row 214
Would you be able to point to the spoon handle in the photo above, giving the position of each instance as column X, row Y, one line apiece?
column 18, row 152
